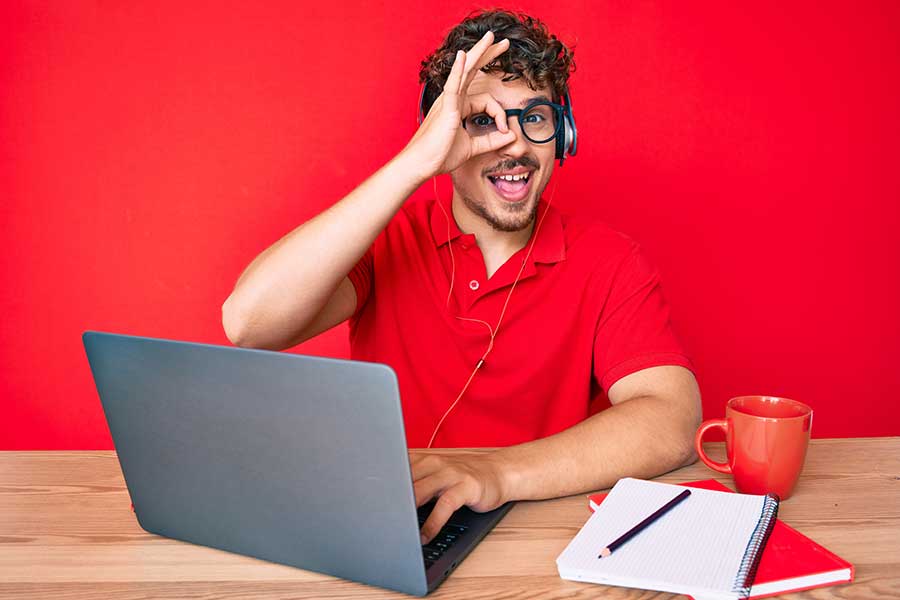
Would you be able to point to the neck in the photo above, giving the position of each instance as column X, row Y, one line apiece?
column 496, row 246
column 489, row 240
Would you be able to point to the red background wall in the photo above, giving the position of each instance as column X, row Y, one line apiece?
column 148, row 152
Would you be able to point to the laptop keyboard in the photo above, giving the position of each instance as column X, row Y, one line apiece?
column 445, row 538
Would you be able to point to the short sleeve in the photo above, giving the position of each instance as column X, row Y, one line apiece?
column 361, row 276
column 633, row 330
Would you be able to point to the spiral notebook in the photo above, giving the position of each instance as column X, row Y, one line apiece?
column 708, row 545
column 791, row 562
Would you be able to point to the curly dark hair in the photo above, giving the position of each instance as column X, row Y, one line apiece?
column 533, row 54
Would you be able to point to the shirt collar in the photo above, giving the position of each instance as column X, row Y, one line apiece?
column 550, row 246
column 439, row 223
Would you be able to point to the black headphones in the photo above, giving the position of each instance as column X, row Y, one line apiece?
column 566, row 144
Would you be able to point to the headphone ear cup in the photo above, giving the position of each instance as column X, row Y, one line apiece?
column 571, row 136
column 561, row 143
column 567, row 143
column 571, row 129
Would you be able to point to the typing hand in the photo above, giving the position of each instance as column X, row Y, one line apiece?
column 473, row 480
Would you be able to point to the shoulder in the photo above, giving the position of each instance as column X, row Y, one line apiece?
column 595, row 242
column 413, row 219
column 416, row 211
column 608, row 262
column 408, row 233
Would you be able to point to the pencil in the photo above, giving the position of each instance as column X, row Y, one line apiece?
column 643, row 524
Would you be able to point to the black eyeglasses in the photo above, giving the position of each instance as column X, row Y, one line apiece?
column 541, row 121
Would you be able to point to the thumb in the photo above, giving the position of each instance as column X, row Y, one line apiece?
column 492, row 141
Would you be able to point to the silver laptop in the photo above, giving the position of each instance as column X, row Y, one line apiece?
column 298, row 460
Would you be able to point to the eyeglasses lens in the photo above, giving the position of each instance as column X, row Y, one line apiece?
column 538, row 123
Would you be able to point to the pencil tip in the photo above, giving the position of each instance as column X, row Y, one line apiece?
column 604, row 553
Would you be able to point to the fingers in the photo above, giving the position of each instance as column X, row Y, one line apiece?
column 492, row 141
column 428, row 487
column 485, row 103
column 449, row 502
column 467, row 64
column 454, row 81
column 477, row 63
column 424, row 465
column 473, row 58
column 456, row 73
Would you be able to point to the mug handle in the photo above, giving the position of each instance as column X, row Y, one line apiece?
column 698, row 445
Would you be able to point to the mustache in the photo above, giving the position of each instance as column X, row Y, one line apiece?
column 528, row 163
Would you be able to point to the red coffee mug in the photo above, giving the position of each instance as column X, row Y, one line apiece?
column 765, row 440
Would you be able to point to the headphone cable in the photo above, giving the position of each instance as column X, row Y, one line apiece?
column 493, row 331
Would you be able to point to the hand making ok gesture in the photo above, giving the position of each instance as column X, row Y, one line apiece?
column 441, row 144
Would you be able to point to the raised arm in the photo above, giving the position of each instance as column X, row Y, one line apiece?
column 298, row 287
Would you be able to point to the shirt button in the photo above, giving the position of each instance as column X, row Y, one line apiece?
column 473, row 285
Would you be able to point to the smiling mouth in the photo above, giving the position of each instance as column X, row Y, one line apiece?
column 511, row 188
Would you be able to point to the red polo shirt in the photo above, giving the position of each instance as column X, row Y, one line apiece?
column 588, row 306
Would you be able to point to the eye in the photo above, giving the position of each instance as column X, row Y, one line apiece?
column 534, row 118
column 482, row 120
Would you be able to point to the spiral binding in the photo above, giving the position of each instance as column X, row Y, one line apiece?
column 752, row 554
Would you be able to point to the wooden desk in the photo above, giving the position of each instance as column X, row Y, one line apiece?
column 67, row 531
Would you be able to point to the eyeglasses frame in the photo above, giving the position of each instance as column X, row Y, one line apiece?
column 558, row 109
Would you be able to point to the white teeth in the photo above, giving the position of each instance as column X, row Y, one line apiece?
column 514, row 177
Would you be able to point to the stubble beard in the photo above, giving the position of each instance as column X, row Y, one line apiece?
column 510, row 218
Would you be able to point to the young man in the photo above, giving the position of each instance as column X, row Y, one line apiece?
column 498, row 313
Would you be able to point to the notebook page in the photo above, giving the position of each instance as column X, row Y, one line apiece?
column 695, row 547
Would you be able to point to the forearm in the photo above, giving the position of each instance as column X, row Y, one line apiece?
column 284, row 288
column 642, row 437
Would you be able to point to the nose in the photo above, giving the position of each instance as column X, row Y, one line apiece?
column 518, row 147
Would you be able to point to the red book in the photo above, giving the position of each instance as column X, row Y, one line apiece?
column 790, row 562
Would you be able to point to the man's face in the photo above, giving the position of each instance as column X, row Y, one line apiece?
column 476, row 181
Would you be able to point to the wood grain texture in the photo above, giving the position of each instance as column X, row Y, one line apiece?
column 67, row 531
